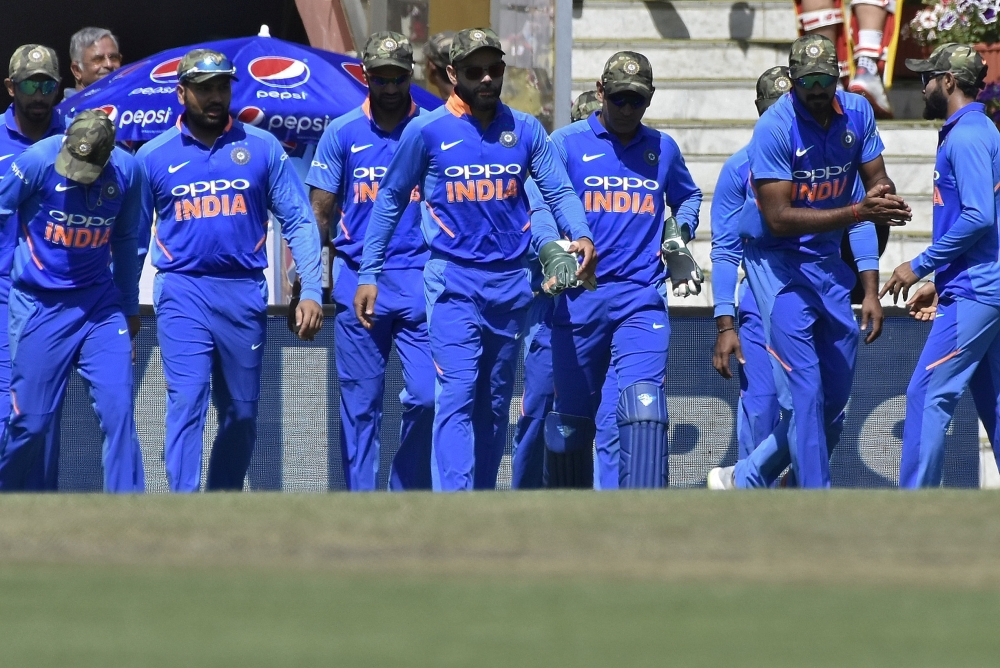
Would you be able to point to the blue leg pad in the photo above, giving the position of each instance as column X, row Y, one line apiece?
column 643, row 426
column 569, row 451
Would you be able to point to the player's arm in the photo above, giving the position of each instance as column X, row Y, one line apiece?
column 727, row 253
column 124, row 240
column 864, row 247
column 15, row 186
column 683, row 196
column 559, row 264
column 325, row 179
column 289, row 203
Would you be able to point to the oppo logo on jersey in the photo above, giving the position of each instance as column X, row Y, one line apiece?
column 482, row 189
column 369, row 173
column 196, row 205
column 823, row 183
column 624, row 183
column 80, row 220
column 821, row 174
column 485, row 171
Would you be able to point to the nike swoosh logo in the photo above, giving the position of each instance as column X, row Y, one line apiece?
column 588, row 158
column 355, row 149
column 658, row 326
column 174, row 168
column 445, row 147
column 256, row 346
column 799, row 152
column 122, row 331
column 62, row 187
column 4, row 157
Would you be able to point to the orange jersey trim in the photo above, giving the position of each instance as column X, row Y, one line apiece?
column 440, row 224
column 942, row 360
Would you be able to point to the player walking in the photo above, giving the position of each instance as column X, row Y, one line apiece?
column 351, row 159
column 806, row 153
column 964, row 342
column 471, row 158
column 78, row 204
column 212, row 181
column 627, row 174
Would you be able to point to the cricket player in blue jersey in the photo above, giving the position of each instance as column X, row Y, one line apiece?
column 626, row 175
column 78, row 201
column 471, row 158
column 212, row 181
column 33, row 84
column 807, row 151
column 963, row 347
column 350, row 160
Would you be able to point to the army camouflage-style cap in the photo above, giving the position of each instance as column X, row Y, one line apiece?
column 32, row 59
column 628, row 71
column 387, row 48
column 200, row 65
column 90, row 139
column 468, row 41
column 813, row 54
column 584, row 105
column 438, row 49
column 961, row 60
column 771, row 85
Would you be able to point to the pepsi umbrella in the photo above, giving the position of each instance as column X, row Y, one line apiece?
column 291, row 90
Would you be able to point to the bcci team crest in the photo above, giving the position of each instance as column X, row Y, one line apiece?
column 83, row 149
column 508, row 139
column 389, row 44
column 240, row 155
column 631, row 67
column 848, row 139
column 477, row 35
column 35, row 55
column 110, row 190
column 650, row 156
column 813, row 50
column 783, row 84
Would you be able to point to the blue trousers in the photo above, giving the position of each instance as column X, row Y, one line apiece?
column 758, row 412
column 362, row 355
column 812, row 338
column 539, row 394
column 475, row 313
column 50, row 332
column 962, row 349
column 212, row 331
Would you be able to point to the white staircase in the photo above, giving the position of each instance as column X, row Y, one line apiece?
column 706, row 56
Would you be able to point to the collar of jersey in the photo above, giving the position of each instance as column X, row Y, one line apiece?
column 601, row 131
column 459, row 108
column 957, row 116
column 182, row 126
column 55, row 124
column 800, row 109
column 366, row 109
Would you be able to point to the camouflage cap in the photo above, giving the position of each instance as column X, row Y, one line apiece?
column 813, row 54
column 200, row 65
column 32, row 59
column 90, row 139
column 963, row 61
column 628, row 71
column 438, row 49
column 584, row 105
column 387, row 48
column 771, row 85
column 470, row 40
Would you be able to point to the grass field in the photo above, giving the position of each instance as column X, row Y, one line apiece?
column 535, row 579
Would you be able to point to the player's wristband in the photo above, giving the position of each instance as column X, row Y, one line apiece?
column 727, row 329
column 854, row 210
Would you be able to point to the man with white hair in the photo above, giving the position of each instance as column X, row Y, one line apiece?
column 93, row 54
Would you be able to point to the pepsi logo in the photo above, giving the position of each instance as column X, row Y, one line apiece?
column 356, row 71
column 111, row 110
column 166, row 72
column 278, row 71
column 251, row 115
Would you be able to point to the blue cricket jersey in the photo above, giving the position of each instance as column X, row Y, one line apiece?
column 965, row 252
column 12, row 142
column 352, row 158
column 68, row 232
column 625, row 191
column 822, row 165
column 211, row 204
column 475, row 207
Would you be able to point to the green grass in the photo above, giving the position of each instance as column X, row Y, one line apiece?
column 671, row 578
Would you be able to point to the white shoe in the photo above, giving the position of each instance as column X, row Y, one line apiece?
column 872, row 88
column 721, row 478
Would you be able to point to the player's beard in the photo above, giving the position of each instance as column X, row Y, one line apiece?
column 472, row 96
column 936, row 105
column 205, row 122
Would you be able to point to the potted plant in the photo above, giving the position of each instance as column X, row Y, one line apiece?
column 963, row 21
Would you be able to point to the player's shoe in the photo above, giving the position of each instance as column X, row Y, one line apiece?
column 872, row 88
column 721, row 478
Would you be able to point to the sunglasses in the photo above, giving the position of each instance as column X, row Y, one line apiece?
column 631, row 99
column 821, row 80
column 476, row 73
column 927, row 77
column 386, row 81
column 29, row 87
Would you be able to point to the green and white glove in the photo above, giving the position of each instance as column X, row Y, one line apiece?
column 558, row 267
column 685, row 274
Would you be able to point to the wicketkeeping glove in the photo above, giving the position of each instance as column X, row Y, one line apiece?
column 558, row 268
column 293, row 304
column 685, row 274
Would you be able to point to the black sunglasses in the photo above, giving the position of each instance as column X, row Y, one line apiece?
column 927, row 77
column 476, row 72
column 810, row 80
column 631, row 99
column 385, row 81
column 29, row 87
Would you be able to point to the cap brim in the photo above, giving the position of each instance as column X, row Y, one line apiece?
column 202, row 77
column 480, row 48
column 385, row 62
column 816, row 68
column 917, row 65
column 615, row 87
column 40, row 70
column 75, row 169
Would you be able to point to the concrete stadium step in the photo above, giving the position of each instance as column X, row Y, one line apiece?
column 683, row 59
column 702, row 19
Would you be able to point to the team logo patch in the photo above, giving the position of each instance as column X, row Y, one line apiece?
column 110, row 190
column 83, row 149
column 813, row 50
column 848, row 139
column 508, row 139
column 646, row 399
column 389, row 44
column 36, row 55
column 477, row 35
column 783, row 83
column 631, row 67
column 240, row 155
column 651, row 157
